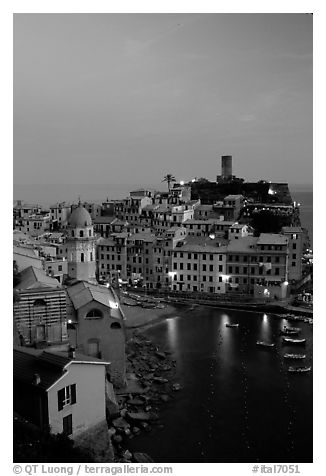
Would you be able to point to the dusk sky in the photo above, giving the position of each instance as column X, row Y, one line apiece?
column 127, row 98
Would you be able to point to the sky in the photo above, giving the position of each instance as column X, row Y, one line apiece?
column 128, row 98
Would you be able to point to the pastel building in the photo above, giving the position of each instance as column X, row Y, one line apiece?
column 60, row 392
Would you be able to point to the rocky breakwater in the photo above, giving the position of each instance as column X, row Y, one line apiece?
column 150, row 384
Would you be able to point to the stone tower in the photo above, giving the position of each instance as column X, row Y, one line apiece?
column 81, row 245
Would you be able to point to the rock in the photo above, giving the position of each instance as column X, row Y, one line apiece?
column 136, row 401
column 127, row 455
column 111, row 431
column 148, row 408
column 165, row 398
column 160, row 380
column 136, row 430
column 161, row 355
column 127, row 432
column 142, row 458
column 176, row 387
column 120, row 423
column 142, row 416
column 166, row 368
column 123, row 412
column 117, row 438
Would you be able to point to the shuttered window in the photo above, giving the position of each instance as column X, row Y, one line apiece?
column 66, row 396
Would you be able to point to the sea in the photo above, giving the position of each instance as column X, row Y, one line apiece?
column 48, row 194
column 238, row 403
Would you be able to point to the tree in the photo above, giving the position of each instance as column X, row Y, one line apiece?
column 169, row 178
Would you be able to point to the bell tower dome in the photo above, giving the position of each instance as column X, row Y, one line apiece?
column 81, row 245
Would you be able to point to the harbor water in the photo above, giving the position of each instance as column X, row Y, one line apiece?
column 238, row 402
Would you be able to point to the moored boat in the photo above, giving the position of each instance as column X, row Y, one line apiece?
column 295, row 356
column 262, row 343
column 288, row 340
column 299, row 369
column 290, row 330
column 231, row 325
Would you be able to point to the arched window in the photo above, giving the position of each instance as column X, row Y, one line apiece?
column 94, row 314
column 115, row 325
column 82, row 258
column 81, row 233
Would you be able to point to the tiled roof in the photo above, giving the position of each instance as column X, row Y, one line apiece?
column 32, row 277
column 50, row 366
column 292, row 229
column 104, row 219
column 28, row 362
column 83, row 292
column 244, row 244
column 272, row 239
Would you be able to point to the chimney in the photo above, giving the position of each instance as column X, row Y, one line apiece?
column 36, row 379
column 71, row 352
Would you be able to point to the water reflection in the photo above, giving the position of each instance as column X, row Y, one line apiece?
column 172, row 332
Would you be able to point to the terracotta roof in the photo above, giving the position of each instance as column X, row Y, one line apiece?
column 32, row 277
column 272, row 239
column 50, row 366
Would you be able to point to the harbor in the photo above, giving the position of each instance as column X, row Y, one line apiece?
column 244, row 402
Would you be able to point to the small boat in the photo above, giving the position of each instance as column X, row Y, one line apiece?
column 232, row 325
column 265, row 344
column 290, row 330
column 299, row 369
column 288, row 340
column 295, row 356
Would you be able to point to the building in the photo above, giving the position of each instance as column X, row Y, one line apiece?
column 199, row 265
column 258, row 266
column 96, row 326
column 65, row 394
column 296, row 238
column 40, row 311
column 59, row 214
column 80, row 245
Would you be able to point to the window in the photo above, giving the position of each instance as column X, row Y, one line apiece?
column 210, row 279
column 66, row 396
column 204, row 267
column 293, row 264
column 94, row 314
column 195, row 256
column 230, row 269
column 67, row 425
column 204, row 277
column 211, row 268
column 220, row 280
column 195, row 266
column 220, row 257
column 81, row 233
column 294, row 256
column 230, row 258
column 115, row 325
column 277, row 259
column 277, row 271
column 188, row 266
column 59, row 267
column 211, row 257
column 82, row 258
column 181, row 265
column 204, row 256
column 294, row 246
column 175, row 265
column 189, row 255
column 89, row 232
column 181, row 277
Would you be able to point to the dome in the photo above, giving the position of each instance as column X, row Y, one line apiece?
column 80, row 217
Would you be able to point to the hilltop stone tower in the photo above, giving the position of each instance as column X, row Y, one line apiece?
column 81, row 245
